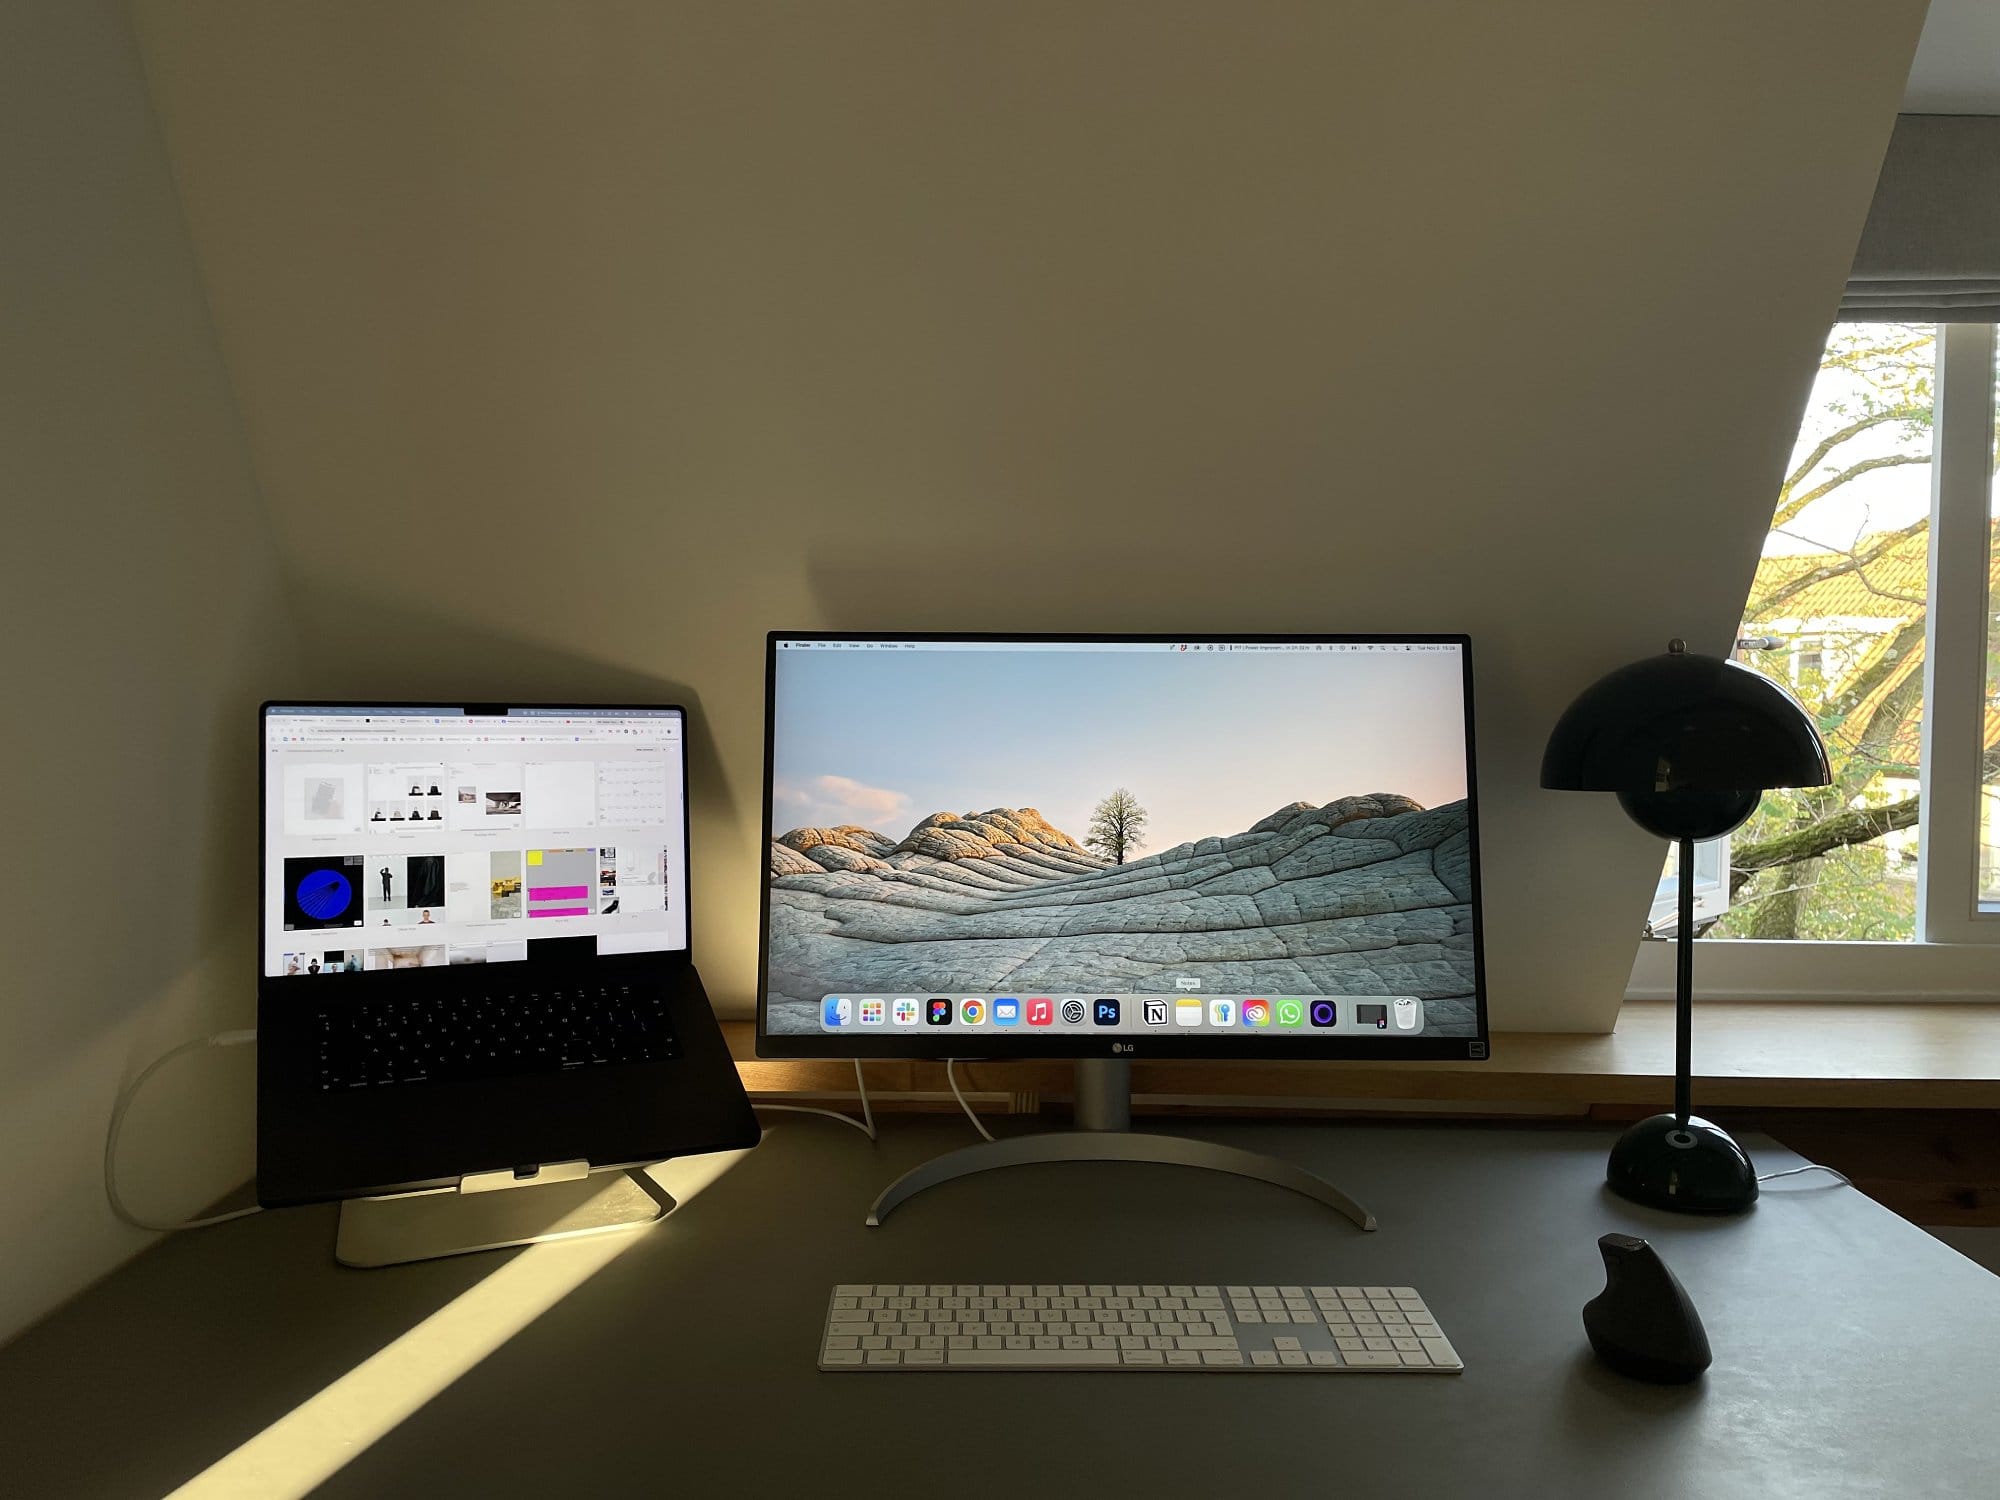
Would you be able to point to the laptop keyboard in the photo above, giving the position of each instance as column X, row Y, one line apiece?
column 496, row 1032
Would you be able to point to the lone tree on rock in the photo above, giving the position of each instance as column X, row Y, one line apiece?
column 1118, row 827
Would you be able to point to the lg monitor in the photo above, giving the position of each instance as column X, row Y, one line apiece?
column 1120, row 847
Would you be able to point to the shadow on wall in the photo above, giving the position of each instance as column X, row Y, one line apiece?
column 227, row 884
column 1541, row 852
column 365, row 644
column 372, row 645
column 175, row 747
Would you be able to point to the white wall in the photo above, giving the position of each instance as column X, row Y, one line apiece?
column 581, row 344
column 577, row 345
column 142, row 617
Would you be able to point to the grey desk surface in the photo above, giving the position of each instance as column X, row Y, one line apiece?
column 1854, row 1354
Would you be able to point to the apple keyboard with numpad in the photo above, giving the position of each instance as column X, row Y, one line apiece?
column 1132, row 1326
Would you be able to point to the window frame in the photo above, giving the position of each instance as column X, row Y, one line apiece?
column 1956, row 953
column 1711, row 890
column 1961, row 551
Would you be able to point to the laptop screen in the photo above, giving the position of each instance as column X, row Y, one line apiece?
column 415, row 837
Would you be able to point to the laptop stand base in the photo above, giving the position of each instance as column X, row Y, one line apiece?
column 404, row 1227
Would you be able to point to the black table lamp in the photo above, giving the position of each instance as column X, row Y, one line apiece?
column 1689, row 743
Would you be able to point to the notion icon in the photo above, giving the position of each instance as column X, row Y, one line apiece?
column 1187, row 1012
column 1257, row 1013
column 1156, row 1012
column 835, row 1010
column 1041, row 1011
column 905, row 1012
column 1222, row 1012
column 874, row 1012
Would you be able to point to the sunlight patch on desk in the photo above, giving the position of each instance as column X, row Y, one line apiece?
column 313, row 1441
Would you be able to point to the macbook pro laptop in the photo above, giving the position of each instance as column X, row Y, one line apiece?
column 474, row 948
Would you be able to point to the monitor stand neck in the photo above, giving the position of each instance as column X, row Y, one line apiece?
column 1103, row 1094
column 1103, row 1133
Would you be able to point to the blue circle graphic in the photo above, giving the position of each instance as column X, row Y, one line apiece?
column 324, row 895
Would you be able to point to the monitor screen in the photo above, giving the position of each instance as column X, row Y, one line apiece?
column 1249, row 846
column 404, row 837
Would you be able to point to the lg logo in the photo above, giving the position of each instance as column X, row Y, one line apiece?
column 1122, row 1047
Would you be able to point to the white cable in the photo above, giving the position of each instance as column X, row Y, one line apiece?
column 124, row 1102
column 861, row 1088
column 1809, row 1167
column 866, row 1124
column 825, row 1114
column 952, row 1079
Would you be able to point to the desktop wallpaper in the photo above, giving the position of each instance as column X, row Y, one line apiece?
column 1282, row 822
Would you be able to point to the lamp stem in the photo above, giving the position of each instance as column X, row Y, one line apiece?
column 1684, row 984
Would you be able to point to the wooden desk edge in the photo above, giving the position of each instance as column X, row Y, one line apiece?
column 1897, row 1055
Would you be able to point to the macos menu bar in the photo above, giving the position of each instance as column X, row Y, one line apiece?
column 1146, row 648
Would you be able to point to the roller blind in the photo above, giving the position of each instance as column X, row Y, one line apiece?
column 1931, row 248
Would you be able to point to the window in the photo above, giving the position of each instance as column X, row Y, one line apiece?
column 1837, row 614
column 1873, row 603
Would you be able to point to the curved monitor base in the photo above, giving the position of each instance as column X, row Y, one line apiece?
column 1111, row 1145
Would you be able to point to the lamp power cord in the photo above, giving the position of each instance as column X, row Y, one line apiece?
column 1845, row 1181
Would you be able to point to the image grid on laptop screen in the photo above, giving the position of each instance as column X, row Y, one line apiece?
column 399, row 838
column 1195, row 839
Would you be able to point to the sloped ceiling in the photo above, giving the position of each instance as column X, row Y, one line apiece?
column 1956, row 70
column 580, row 345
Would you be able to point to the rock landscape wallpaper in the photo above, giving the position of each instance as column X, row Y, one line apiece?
column 1355, row 878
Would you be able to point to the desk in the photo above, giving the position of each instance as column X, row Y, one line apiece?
column 1854, row 1355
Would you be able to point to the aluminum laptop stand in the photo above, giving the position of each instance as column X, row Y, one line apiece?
column 493, row 1210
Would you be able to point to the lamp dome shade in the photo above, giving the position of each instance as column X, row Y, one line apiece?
column 1680, row 722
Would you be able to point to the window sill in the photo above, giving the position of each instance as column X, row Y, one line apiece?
column 1743, row 969
column 1787, row 1054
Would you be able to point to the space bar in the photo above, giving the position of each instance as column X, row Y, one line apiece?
column 999, row 1358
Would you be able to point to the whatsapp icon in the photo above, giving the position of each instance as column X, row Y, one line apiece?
column 1290, row 1013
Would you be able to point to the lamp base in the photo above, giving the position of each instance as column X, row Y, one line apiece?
column 1696, row 1168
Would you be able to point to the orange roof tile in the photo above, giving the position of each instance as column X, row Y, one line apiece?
column 1892, row 588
